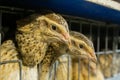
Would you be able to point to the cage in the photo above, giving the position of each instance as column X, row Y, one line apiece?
column 106, row 43
column 105, row 37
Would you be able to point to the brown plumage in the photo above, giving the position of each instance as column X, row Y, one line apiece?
column 92, row 72
column 89, row 51
column 10, row 71
column 57, row 49
column 33, row 36
column 50, row 56
column 83, row 73
column 105, row 64
column 84, row 45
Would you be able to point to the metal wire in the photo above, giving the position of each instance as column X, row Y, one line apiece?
column 14, row 10
column 0, row 31
column 88, row 69
column 115, row 46
column 14, row 61
column 90, row 32
column 79, row 62
column 99, row 49
column 81, row 21
column 68, row 75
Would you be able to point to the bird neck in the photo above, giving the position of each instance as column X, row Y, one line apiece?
column 32, row 49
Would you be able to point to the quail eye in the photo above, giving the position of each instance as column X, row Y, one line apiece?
column 80, row 46
column 54, row 27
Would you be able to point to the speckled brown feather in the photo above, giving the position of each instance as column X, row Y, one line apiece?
column 82, row 37
column 51, row 56
column 10, row 71
column 88, row 48
column 59, row 49
column 32, row 49
column 83, row 73
column 33, row 36
column 7, row 49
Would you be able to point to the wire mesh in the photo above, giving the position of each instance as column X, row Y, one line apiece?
column 15, row 61
column 104, row 36
column 12, row 61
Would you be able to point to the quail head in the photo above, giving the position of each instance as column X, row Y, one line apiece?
column 35, row 33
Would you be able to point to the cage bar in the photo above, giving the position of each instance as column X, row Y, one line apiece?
column 79, row 22
column 0, row 27
column 15, row 61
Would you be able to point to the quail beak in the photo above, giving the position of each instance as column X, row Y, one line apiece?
column 67, row 39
